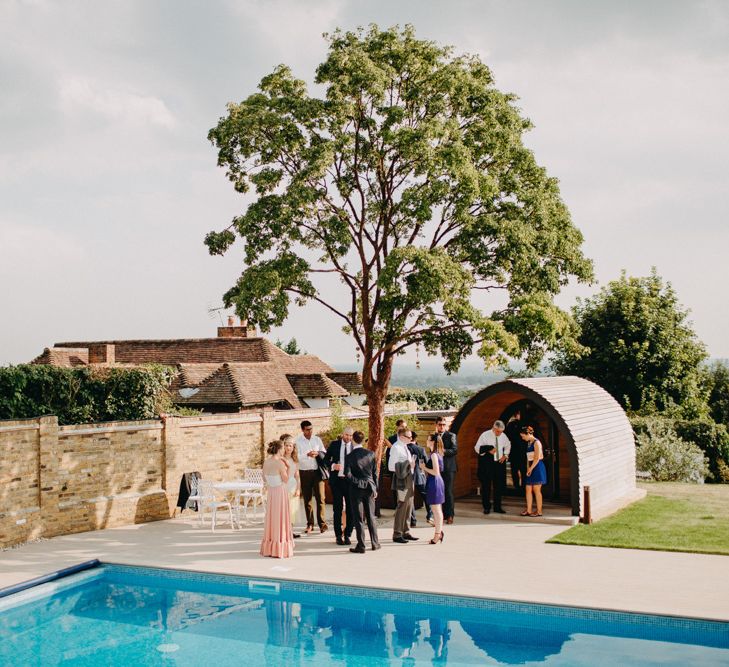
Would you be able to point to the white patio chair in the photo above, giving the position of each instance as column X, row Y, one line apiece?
column 206, row 490
column 257, row 497
column 195, row 498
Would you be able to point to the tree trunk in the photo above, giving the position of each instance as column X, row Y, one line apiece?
column 376, row 407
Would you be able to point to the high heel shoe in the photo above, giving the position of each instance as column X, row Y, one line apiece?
column 440, row 539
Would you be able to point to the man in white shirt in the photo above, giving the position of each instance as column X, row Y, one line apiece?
column 309, row 447
column 401, row 465
column 492, row 448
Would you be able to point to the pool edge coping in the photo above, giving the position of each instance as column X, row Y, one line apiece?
column 97, row 563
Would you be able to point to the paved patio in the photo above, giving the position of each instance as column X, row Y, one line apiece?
column 497, row 559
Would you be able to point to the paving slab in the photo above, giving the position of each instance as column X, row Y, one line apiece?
column 491, row 559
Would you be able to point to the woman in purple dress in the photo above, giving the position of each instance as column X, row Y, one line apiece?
column 434, row 485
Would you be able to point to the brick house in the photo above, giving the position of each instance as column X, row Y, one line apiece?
column 231, row 373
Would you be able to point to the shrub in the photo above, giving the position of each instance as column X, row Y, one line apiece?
column 437, row 398
column 713, row 439
column 666, row 456
column 82, row 395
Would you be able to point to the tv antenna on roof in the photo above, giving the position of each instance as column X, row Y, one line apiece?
column 216, row 310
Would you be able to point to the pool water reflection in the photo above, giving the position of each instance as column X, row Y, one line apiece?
column 134, row 616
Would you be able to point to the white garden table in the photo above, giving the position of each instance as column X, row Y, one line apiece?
column 238, row 487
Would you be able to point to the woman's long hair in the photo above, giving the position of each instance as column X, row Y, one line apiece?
column 438, row 446
column 285, row 438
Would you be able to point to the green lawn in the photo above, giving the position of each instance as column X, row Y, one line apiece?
column 673, row 517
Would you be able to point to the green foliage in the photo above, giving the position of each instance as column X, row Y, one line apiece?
column 717, row 384
column 409, row 181
column 713, row 439
column 339, row 423
column 635, row 342
column 292, row 347
column 665, row 455
column 82, row 395
column 437, row 398
column 710, row 437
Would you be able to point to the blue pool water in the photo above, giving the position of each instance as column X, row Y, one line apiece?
column 119, row 615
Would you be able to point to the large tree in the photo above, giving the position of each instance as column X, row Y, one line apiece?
column 406, row 178
column 636, row 342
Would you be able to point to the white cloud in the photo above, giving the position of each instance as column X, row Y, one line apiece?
column 290, row 28
column 78, row 94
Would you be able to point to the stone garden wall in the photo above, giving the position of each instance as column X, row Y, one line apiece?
column 61, row 480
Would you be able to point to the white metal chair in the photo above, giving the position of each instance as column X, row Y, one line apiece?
column 206, row 490
column 256, row 497
column 195, row 498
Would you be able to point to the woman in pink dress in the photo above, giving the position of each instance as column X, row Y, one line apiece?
column 278, row 538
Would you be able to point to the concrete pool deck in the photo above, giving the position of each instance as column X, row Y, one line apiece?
column 492, row 559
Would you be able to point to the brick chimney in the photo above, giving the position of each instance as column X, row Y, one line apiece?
column 232, row 330
column 102, row 353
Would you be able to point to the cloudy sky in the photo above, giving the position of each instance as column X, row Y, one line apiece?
column 108, row 183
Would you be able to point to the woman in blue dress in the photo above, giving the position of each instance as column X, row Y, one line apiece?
column 434, row 485
column 536, row 472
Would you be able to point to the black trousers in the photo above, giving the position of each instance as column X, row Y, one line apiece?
column 363, row 511
column 518, row 466
column 492, row 475
column 450, row 503
column 340, row 501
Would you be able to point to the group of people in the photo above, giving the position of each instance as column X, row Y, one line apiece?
column 516, row 443
column 296, row 469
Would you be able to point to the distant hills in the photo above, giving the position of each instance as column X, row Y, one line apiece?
column 431, row 374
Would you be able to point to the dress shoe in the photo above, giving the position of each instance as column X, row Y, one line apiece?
column 410, row 538
column 347, row 540
column 413, row 524
column 399, row 540
column 357, row 550
column 375, row 547
column 487, row 511
column 323, row 528
column 500, row 511
column 449, row 519
column 430, row 520
column 296, row 536
column 340, row 542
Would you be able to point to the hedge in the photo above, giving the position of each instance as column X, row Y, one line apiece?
column 84, row 395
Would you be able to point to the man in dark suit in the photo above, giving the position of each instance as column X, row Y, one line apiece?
column 401, row 423
column 335, row 460
column 517, row 455
column 361, row 473
column 450, row 466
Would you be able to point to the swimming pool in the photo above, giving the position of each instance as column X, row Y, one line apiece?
column 121, row 615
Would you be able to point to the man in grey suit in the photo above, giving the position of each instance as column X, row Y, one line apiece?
column 450, row 466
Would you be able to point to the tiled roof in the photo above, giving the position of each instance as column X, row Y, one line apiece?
column 217, row 389
column 263, row 384
column 186, row 350
column 230, row 371
column 352, row 382
column 65, row 357
column 315, row 385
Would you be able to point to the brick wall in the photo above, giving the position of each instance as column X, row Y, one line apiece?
column 69, row 479
column 19, row 481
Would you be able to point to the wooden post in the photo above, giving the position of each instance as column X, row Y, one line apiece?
column 586, row 508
